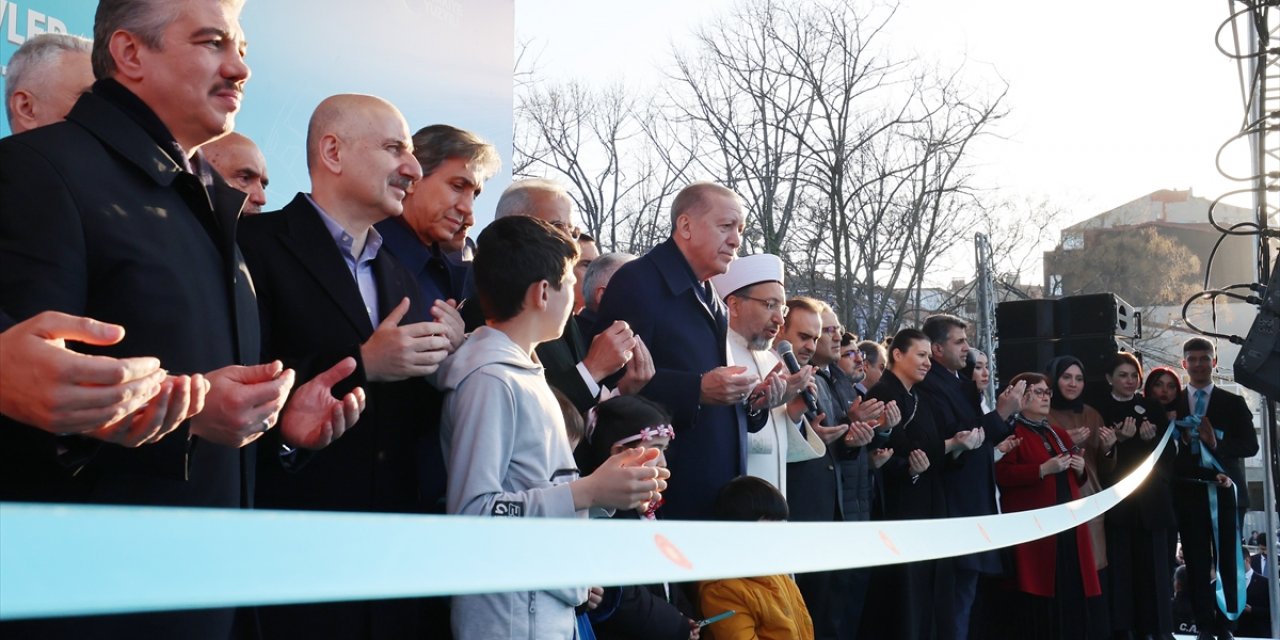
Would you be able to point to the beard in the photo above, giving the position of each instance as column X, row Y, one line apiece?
column 759, row 343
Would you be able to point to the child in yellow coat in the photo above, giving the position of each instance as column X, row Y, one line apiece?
column 766, row 607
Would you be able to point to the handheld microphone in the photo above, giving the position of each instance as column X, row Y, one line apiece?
column 789, row 359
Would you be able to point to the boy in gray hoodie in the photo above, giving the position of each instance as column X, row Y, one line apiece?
column 503, row 434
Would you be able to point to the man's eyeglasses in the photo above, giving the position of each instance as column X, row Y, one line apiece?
column 855, row 354
column 1043, row 393
column 771, row 305
column 834, row 330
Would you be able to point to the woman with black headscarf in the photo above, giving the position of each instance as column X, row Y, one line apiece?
column 1067, row 409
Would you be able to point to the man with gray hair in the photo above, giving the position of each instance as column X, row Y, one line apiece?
column 530, row 196
column 667, row 297
column 594, row 282
column 753, row 290
column 571, row 367
column 113, row 214
column 44, row 78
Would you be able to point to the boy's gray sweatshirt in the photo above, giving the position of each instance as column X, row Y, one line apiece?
column 507, row 455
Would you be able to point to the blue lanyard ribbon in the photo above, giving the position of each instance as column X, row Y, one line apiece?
column 1207, row 461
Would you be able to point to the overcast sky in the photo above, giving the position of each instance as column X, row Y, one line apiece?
column 1108, row 100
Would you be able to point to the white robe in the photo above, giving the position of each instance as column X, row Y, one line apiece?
column 779, row 442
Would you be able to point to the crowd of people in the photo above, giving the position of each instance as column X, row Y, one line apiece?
column 356, row 350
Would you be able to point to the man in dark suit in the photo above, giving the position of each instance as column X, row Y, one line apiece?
column 1255, row 621
column 113, row 214
column 1225, row 435
column 572, row 367
column 971, row 486
column 666, row 298
column 327, row 295
column 594, row 283
column 455, row 166
column 816, row 488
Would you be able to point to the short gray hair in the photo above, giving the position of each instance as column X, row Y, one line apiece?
column 146, row 19
column 515, row 201
column 35, row 56
column 600, row 272
column 694, row 200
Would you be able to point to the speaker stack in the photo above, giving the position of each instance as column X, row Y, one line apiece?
column 1090, row 327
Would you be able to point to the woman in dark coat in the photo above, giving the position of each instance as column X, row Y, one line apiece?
column 1055, row 574
column 1140, row 528
column 912, row 600
column 1067, row 409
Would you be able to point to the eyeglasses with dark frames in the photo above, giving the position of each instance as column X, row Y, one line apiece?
column 770, row 305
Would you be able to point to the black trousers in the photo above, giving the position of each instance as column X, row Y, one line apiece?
column 1196, row 531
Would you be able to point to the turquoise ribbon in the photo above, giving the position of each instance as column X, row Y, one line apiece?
column 1207, row 461
column 65, row 560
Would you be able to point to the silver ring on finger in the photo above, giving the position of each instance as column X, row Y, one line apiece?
column 265, row 426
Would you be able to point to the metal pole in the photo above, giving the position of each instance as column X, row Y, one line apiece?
column 1269, row 545
column 1259, row 62
column 986, row 311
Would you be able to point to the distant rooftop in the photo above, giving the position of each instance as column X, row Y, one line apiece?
column 1167, row 205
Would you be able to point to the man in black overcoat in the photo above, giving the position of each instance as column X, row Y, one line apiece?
column 667, row 299
column 331, row 300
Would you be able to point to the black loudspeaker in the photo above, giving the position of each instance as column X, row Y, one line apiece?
column 1099, row 313
column 1258, row 364
column 1096, row 352
column 1020, row 356
column 1025, row 319
column 1090, row 327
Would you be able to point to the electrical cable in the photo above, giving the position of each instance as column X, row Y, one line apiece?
column 1257, row 229
column 1208, row 266
column 1231, row 20
column 1212, row 334
column 1249, row 129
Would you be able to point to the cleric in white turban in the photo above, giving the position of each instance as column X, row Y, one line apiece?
column 753, row 291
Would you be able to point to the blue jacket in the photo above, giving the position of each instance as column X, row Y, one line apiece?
column 439, row 275
column 657, row 295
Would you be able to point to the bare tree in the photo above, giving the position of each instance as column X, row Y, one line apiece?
column 852, row 162
column 586, row 137
column 739, row 86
